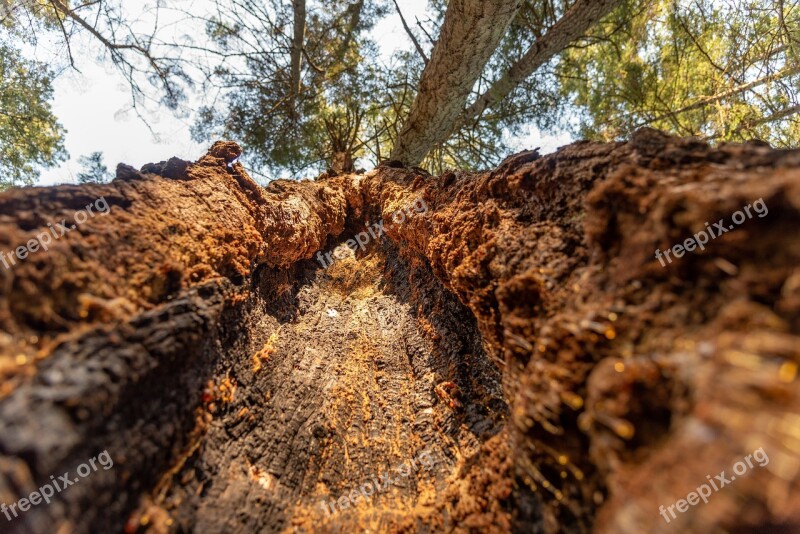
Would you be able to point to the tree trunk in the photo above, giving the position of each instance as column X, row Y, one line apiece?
column 298, row 42
column 342, row 162
column 509, row 355
column 470, row 34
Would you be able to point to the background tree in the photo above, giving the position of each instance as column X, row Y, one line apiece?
column 30, row 136
column 717, row 69
column 126, row 38
column 334, row 103
column 304, row 88
column 301, row 97
column 94, row 170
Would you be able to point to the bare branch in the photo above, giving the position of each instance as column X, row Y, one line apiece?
column 410, row 33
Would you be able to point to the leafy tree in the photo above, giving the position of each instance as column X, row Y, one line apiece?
column 300, row 85
column 717, row 69
column 94, row 170
column 288, row 97
column 30, row 136
column 293, row 82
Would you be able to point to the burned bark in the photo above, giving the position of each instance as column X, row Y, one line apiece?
column 517, row 330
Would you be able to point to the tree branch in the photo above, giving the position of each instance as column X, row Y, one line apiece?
column 410, row 33
column 297, row 44
column 576, row 21
column 702, row 102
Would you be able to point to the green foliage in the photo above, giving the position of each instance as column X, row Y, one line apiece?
column 717, row 69
column 30, row 136
column 255, row 103
column 18, row 15
column 349, row 101
column 94, row 170
column 679, row 65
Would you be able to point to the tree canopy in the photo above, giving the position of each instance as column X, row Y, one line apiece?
column 304, row 96
column 94, row 169
column 305, row 86
column 718, row 69
column 30, row 135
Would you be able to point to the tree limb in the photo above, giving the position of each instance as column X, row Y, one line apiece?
column 576, row 21
column 297, row 44
column 410, row 33
column 702, row 102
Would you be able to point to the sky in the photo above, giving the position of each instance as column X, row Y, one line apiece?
column 93, row 105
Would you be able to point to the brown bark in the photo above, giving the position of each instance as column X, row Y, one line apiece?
column 470, row 34
column 342, row 162
column 520, row 331
column 343, row 140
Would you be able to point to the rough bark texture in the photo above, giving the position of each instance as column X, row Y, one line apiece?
column 471, row 31
column 520, row 332
column 573, row 25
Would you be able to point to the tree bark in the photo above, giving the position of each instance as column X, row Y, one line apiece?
column 342, row 162
column 573, row 25
column 512, row 326
column 470, row 34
